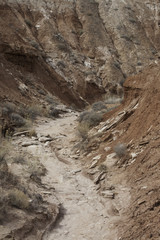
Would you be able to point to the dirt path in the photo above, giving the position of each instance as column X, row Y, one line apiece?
column 83, row 212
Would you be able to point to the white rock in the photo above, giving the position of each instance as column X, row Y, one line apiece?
column 97, row 157
column 110, row 160
column 108, row 194
column 94, row 164
column 26, row 144
column 107, row 149
column 134, row 155
column 20, row 133
column 45, row 139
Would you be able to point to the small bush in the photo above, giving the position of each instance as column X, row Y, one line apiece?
column 42, row 92
column 53, row 112
column 83, row 129
column 28, row 22
column 120, row 149
column 90, row 118
column 10, row 106
column 34, row 44
column 63, row 47
column 34, row 111
column 98, row 106
column 19, row 159
column 37, row 169
column 7, row 109
column 102, row 168
column 32, row 133
column 17, row 120
column 82, row 116
column 3, row 172
column 3, row 206
column 2, row 155
column 113, row 100
column 50, row 100
column 127, row 38
column 18, row 199
column 61, row 64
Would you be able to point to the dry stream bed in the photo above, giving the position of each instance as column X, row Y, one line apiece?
column 84, row 213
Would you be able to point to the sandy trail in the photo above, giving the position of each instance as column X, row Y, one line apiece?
column 83, row 212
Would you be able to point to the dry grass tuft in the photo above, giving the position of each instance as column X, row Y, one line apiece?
column 120, row 149
column 18, row 199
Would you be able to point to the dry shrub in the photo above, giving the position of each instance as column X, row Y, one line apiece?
column 53, row 112
column 19, row 159
column 17, row 120
column 8, row 108
column 82, row 116
column 34, row 111
column 98, row 106
column 113, row 100
column 3, row 206
column 36, row 168
column 120, row 149
column 2, row 155
column 32, row 133
column 50, row 100
column 83, row 129
column 102, row 168
column 18, row 199
column 90, row 118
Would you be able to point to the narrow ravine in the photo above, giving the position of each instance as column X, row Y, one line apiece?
column 83, row 211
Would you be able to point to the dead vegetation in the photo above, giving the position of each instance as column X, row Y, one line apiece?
column 120, row 149
column 18, row 199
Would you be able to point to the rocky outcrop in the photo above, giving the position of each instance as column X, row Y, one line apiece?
column 78, row 50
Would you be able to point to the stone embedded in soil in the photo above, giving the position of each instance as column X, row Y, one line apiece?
column 94, row 164
column 27, row 144
column 100, row 177
column 45, row 139
column 97, row 157
column 108, row 194
column 20, row 133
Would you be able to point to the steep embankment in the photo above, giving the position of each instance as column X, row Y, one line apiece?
column 135, row 124
column 143, row 137
column 79, row 51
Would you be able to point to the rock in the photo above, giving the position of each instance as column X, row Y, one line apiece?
column 143, row 143
column 26, row 144
column 100, row 177
column 110, row 160
column 76, row 171
column 21, row 133
column 97, row 157
column 94, row 164
column 34, row 138
column 46, row 144
column 58, row 148
column 134, row 155
column 75, row 156
column 45, row 139
column 92, row 172
column 47, row 193
column 108, row 194
column 107, row 149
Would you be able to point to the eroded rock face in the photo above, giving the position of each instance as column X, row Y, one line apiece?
column 79, row 50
